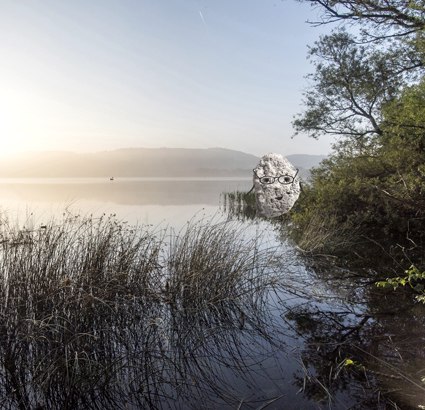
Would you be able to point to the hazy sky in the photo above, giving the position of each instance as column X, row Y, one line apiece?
column 92, row 75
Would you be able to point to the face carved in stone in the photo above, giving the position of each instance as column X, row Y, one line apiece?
column 276, row 185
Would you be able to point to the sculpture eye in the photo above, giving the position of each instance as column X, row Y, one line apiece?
column 266, row 180
column 285, row 179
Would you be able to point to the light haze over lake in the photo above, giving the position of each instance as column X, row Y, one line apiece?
column 136, row 200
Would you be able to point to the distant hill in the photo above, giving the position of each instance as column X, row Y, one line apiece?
column 141, row 162
column 306, row 161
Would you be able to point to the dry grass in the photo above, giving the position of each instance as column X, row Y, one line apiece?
column 322, row 235
column 95, row 312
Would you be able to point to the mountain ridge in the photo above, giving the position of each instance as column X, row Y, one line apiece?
column 141, row 162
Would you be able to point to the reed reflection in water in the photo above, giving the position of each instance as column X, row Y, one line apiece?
column 101, row 314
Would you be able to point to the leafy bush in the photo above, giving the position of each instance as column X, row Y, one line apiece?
column 414, row 278
column 374, row 193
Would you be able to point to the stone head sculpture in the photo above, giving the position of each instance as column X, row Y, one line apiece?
column 276, row 185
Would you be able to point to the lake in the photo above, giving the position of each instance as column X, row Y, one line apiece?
column 296, row 333
column 137, row 200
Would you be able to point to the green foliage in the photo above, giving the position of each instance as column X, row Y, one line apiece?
column 348, row 362
column 372, row 96
column 351, row 82
column 377, row 193
column 414, row 278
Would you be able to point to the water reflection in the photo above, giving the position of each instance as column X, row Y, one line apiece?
column 128, row 318
column 143, row 200
column 360, row 345
column 121, row 191
column 98, row 315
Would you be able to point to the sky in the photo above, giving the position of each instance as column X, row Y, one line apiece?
column 96, row 75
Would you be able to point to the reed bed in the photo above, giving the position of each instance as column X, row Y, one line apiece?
column 212, row 264
column 99, row 314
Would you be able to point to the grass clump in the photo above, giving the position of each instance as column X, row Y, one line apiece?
column 210, row 264
column 99, row 314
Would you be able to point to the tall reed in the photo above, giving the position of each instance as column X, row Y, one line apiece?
column 99, row 314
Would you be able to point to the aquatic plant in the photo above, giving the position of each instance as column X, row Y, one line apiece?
column 99, row 314
column 413, row 278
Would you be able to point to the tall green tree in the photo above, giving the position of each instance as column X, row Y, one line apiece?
column 350, row 84
column 369, row 91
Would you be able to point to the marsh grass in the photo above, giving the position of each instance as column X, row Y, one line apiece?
column 99, row 314
column 321, row 235
column 212, row 264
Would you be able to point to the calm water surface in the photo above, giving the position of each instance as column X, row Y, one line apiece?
column 136, row 200
column 297, row 357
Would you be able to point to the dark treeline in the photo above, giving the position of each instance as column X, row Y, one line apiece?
column 368, row 89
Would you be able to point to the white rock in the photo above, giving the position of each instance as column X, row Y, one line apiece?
column 276, row 185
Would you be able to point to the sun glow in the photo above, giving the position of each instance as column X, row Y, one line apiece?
column 22, row 119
